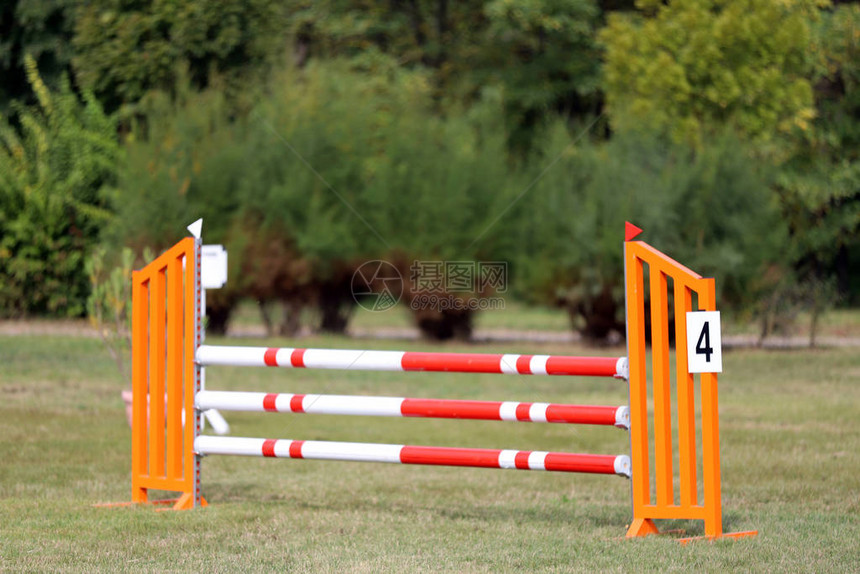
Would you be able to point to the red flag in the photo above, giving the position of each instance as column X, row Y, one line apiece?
column 630, row 231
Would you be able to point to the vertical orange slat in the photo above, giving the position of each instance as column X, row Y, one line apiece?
column 662, row 388
column 637, row 383
column 156, row 371
column 174, row 369
column 686, row 402
column 139, row 383
column 190, row 370
column 710, row 429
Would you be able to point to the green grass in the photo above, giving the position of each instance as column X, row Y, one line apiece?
column 790, row 443
column 516, row 316
column 834, row 323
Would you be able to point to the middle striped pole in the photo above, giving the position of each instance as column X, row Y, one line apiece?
column 405, row 407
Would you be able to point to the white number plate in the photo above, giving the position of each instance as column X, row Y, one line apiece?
column 704, row 343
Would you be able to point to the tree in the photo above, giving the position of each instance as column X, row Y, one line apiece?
column 541, row 53
column 122, row 49
column 42, row 30
column 691, row 67
column 819, row 186
column 544, row 54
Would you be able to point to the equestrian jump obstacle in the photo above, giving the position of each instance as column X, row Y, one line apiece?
column 168, row 360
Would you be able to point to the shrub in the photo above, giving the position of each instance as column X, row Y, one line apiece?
column 710, row 209
column 353, row 165
column 57, row 162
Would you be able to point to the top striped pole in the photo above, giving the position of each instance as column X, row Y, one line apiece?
column 363, row 360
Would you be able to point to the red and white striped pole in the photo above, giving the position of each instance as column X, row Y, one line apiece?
column 406, row 407
column 424, row 455
column 362, row 360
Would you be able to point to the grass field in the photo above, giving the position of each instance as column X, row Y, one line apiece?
column 519, row 317
column 790, row 461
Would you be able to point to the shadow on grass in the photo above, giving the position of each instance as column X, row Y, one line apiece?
column 583, row 515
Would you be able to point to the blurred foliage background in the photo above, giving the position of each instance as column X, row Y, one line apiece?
column 314, row 136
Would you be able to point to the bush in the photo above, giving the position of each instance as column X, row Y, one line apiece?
column 183, row 162
column 349, row 161
column 57, row 162
column 338, row 164
column 354, row 165
column 710, row 209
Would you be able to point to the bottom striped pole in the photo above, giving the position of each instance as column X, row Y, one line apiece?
column 404, row 454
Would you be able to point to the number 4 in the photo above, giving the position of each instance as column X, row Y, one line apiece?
column 705, row 337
